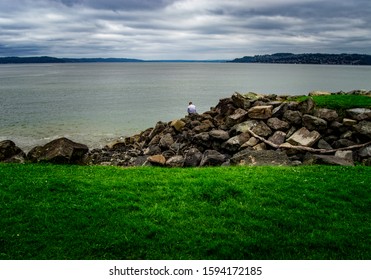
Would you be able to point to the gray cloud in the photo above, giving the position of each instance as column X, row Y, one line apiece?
column 182, row 29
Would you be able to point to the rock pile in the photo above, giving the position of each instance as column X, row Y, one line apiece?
column 246, row 129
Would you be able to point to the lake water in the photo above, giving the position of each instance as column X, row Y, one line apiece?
column 95, row 103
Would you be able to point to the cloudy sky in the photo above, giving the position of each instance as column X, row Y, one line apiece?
column 182, row 29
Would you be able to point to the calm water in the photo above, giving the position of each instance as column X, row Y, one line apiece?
column 94, row 103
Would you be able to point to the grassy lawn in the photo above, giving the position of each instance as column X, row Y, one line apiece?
column 96, row 212
column 339, row 101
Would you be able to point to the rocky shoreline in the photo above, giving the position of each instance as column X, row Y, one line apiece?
column 250, row 129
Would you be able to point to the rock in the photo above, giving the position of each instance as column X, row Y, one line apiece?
column 349, row 122
column 260, row 112
column 9, row 152
column 293, row 117
column 263, row 157
column 364, row 128
column 365, row 152
column 322, row 144
column 212, row 158
column 61, row 150
column 314, row 123
column 319, row 93
column 244, row 126
column 359, row 114
column 250, row 143
column 326, row 114
column 260, row 147
column 327, row 159
column 238, row 116
column 152, row 150
column 304, row 137
column 160, row 126
column 277, row 124
column 306, row 106
column 342, row 143
column 166, row 141
column 202, row 139
column 239, row 101
column 233, row 144
column 175, row 161
column 280, row 110
column 158, row 160
column 219, row 134
column 262, row 129
column 192, row 158
column 203, row 127
column 178, row 125
column 278, row 137
column 347, row 155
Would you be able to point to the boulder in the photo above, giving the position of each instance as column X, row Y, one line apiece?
column 347, row 155
column 326, row 114
column 349, row 122
column 250, row 143
column 175, row 161
column 60, row 150
column 158, row 160
column 304, row 137
column 322, row 144
column 160, row 126
column 279, row 110
column 314, row 123
column 326, row 159
column 306, row 106
column 359, row 114
column 238, row 116
column 277, row 124
column 319, row 93
column 166, row 141
column 9, row 152
column 364, row 128
column 233, row 144
column 262, row 129
column 212, row 158
column 260, row 112
column 178, row 125
column 244, row 126
column 192, row 158
column 293, row 117
column 261, row 157
column 239, row 101
column 219, row 134
column 278, row 137
column 365, row 152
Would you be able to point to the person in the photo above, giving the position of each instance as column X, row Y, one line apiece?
column 191, row 109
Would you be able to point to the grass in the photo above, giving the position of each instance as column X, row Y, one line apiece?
column 95, row 212
column 337, row 102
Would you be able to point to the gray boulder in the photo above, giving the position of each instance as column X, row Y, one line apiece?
column 212, row 158
column 61, row 150
column 304, row 137
column 192, row 158
column 9, row 152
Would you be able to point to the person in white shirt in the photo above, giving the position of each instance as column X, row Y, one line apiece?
column 191, row 109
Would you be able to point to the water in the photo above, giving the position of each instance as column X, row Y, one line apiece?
column 95, row 103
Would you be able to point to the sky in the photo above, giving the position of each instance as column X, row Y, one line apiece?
column 183, row 29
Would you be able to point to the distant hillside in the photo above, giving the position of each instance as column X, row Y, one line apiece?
column 48, row 59
column 307, row 58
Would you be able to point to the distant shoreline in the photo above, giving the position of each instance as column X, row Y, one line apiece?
column 278, row 58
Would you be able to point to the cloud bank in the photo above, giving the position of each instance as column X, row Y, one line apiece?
column 183, row 29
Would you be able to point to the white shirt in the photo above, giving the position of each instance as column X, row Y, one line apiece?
column 191, row 109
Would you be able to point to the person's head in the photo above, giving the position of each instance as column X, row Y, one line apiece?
column 190, row 103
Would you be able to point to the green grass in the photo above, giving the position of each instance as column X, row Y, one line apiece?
column 337, row 102
column 95, row 212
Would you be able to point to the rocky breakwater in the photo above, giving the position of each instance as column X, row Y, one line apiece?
column 248, row 129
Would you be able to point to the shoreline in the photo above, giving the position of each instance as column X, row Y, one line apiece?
column 238, row 130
